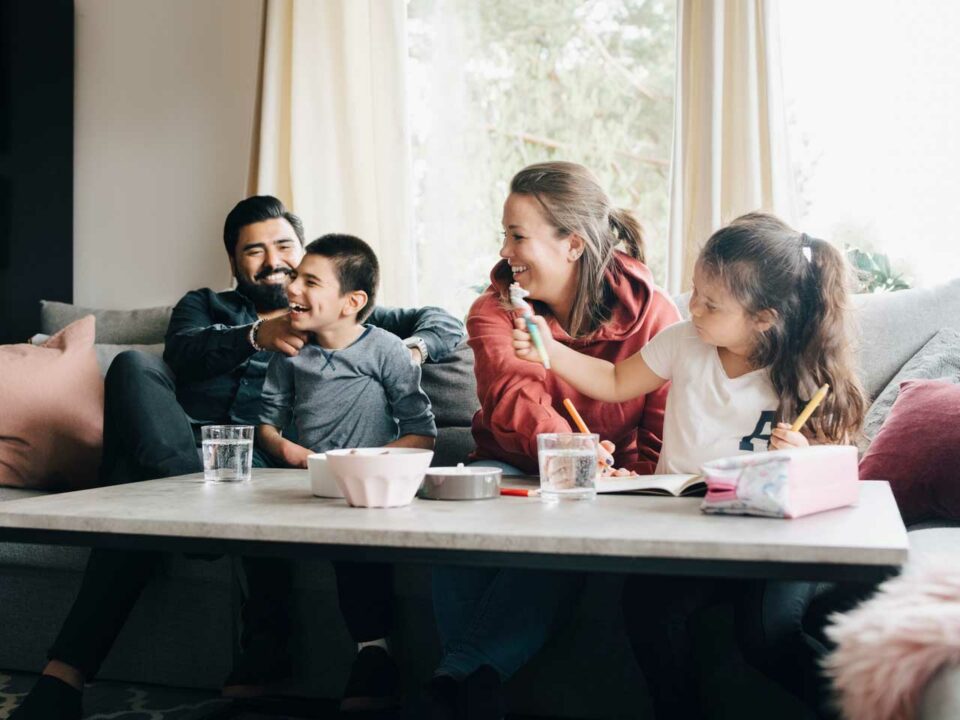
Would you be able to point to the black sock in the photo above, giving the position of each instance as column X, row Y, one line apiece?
column 50, row 699
column 444, row 692
column 483, row 694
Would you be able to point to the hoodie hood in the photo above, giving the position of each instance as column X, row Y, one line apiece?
column 631, row 285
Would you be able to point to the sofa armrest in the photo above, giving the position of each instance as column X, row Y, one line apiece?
column 940, row 700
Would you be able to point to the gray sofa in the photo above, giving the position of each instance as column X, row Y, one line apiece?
column 181, row 633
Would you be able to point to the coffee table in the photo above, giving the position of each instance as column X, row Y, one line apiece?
column 275, row 514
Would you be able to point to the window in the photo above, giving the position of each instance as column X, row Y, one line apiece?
column 497, row 85
column 873, row 97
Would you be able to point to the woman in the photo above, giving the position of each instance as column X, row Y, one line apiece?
column 561, row 244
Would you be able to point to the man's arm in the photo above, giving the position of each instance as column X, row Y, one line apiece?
column 440, row 331
column 196, row 347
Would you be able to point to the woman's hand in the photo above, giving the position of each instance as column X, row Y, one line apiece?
column 783, row 438
column 523, row 344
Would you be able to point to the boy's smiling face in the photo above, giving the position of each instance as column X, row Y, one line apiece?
column 316, row 303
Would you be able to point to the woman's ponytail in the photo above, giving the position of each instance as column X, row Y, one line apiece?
column 629, row 232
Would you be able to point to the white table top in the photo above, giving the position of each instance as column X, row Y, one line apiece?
column 277, row 506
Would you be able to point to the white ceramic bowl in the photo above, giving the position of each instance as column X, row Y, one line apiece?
column 323, row 482
column 379, row 477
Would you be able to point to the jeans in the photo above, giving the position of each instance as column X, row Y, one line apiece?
column 148, row 435
column 498, row 617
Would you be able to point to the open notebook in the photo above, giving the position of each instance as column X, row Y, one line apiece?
column 677, row 485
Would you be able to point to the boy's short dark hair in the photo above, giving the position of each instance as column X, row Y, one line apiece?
column 254, row 209
column 356, row 265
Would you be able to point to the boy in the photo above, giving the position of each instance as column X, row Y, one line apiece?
column 352, row 385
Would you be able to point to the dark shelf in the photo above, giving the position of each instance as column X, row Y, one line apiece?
column 36, row 161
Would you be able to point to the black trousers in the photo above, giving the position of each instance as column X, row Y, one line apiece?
column 779, row 628
column 661, row 613
column 147, row 435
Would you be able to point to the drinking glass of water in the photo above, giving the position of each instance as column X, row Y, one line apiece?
column 568, row 465
column 227, row 452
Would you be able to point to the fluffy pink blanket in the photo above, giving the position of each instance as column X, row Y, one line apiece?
column 890, row 646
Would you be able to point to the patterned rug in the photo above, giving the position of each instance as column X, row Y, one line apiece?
column 121, row 701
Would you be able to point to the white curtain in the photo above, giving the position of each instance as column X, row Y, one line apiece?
column 332, row 135
column 729, row 145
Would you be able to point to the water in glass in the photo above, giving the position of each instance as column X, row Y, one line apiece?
column 227, row 460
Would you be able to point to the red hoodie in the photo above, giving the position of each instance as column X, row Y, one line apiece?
column 520, row 399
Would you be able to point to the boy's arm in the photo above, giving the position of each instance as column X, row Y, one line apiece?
column 408, row 402
column 595, row 378
column 279, row 448
column 439, row 330
column 276, row 403
column 425, row 442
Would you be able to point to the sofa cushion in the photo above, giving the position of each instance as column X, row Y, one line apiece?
column 146, row 326
column 892, row 326
column 918, row 451
column 939, row 359
column 452, row 388
column 51, row 426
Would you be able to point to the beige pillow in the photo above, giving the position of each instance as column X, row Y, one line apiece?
column 51, row 424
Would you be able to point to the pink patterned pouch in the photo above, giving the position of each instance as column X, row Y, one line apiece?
column 782, row 483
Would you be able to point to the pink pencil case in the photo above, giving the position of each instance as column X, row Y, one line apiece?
column 782, row 483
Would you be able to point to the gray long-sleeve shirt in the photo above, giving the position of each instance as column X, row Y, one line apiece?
column 364, row 395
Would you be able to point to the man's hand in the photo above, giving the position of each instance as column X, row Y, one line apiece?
column 276, row 335
column 416, row 355
column 783, row 438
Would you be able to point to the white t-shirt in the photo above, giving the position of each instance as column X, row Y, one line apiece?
column 708, row 415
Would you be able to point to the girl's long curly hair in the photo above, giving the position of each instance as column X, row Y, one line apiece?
column 804, row 283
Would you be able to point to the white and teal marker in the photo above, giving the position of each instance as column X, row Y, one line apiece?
column 517, row 295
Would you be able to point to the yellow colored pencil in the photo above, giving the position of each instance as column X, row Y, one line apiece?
column 577, row 420
column 815, row 401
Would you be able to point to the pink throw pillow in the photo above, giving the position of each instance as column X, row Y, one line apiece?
column 918, row 451
column 51, row 424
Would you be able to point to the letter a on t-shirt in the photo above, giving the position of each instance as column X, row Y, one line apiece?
column 760, row 432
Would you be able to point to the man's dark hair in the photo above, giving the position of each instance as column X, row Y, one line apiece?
column 253, row 210
column 356, row 265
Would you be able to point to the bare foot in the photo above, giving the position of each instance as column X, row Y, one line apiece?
column 68, row 673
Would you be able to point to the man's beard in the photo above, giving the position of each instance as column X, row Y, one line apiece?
column 265, row 296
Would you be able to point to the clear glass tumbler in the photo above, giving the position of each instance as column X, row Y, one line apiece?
column 568, row 465
column 227, row 452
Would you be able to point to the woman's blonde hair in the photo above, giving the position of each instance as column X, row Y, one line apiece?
column 573, row 202
column 767, row 265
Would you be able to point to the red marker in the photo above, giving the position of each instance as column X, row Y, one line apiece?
column 519, row 492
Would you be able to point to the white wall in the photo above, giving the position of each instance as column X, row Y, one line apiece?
column 165, row 95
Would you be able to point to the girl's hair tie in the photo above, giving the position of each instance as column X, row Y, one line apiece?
column 805, row 246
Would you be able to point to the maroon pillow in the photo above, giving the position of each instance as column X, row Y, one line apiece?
column 918, row 451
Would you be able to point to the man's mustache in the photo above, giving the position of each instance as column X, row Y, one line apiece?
column 271, row 270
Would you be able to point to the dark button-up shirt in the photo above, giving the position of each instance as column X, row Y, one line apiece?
column 219, row 374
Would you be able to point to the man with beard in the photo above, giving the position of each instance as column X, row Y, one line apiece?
column 218, row 346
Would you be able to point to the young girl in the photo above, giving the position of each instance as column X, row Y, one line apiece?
column 767, row 328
